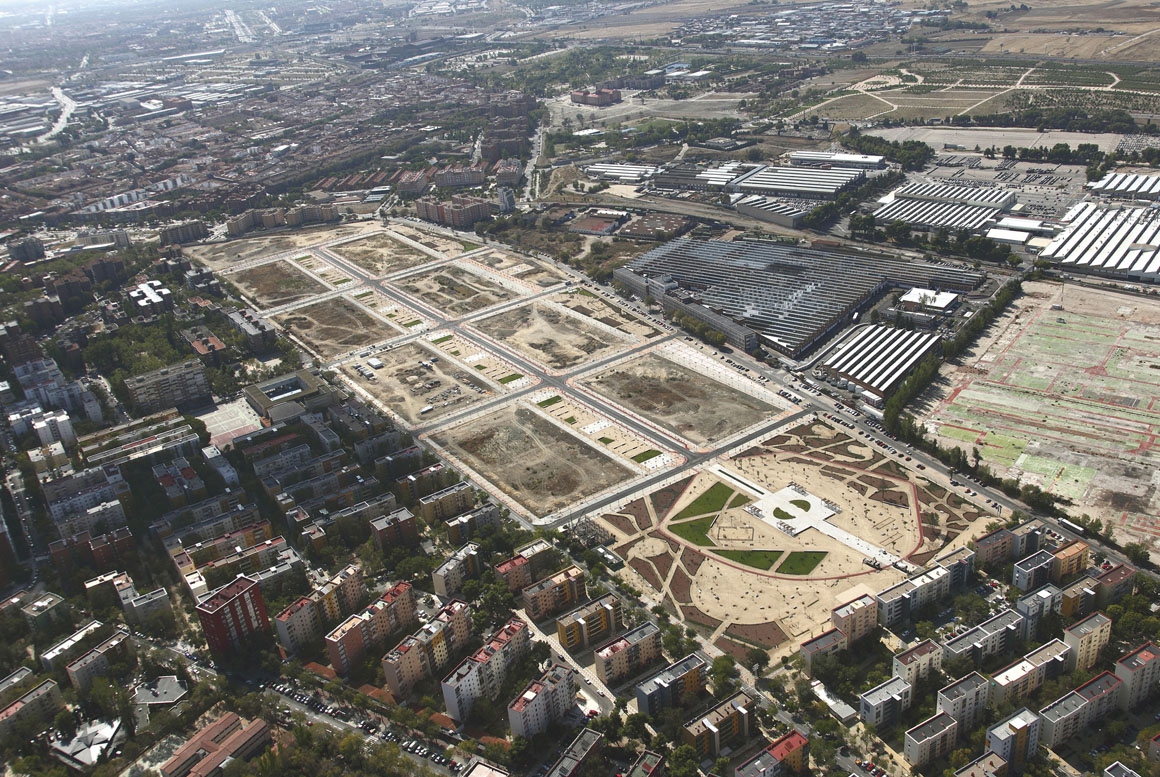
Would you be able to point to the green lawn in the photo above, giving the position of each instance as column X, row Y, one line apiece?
column 758, row 559
column 604, row 440
column 696, row 532
column 782, row 515
column 442, row 339
column 570, row 419
column 410, row 324
column 510, row 378
column 800, row 504
column 644, row 456
column 468, row 246
column 740, row 501
column 549, row 401
column 801, row 562
column 709, row 502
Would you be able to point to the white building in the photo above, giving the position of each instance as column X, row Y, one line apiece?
column 543, row 702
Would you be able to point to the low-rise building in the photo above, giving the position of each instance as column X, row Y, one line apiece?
column 647, row 764
column 629, row 654
column 987, row 765
column 1016, row 738
column 1087, row 638
column 592, row 622
column 882, row 706
column 930, row 740
column 543, row 702
column 671, row 686
column 722, row 728
column 227, row 738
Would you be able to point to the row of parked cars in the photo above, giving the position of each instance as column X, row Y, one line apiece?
column 871, row 768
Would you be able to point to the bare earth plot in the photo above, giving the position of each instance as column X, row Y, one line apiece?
column 454, row 290
column 276, row 283
column 533, row 461
column 553, row 337
column 449, row 247
column 326, row 271
column 601, row 431
column 414, row 377
column 526, row 269
column 681, row 400
column 486, row 363
column 380, row 254
column 334, row 326
column 595, row 307
column 219, row 256
column 1066, row 399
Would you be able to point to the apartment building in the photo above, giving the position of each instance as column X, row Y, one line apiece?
column 1079, row 598
column 1073, row 713
column 647, row 764
column 671, row 686
column 448, row 502
column 515, row 572
column 1028, row 674
column 543, row 702
column 429, row 650
column 789, row 754
column 629, row 654
column 396, row 528
column 1035, row 605
column 960, row 564
column 930, row 740
column 1016, row 738
column 39, row 704
column 919, row 662
column 63, row 651
column 462, row 212
column 298, row 624
column 232, row 615
column 898, row 603
column 825, row 644
column 483, row 672
column 466, row 525
column 1087, row 638
column 1002, row 545
column 728, row 725
column 586, row 745
column 994, row 636
column 1114, row 584
column 965, row 699
column 227, row 738
column 351, row 640
column 856, row 619
column 1139, row 671
column 1069, row 560
column 96, row 662
column 987, row 765
column 463, row 565
column 549, row 596
column 1034, row 571
column 592, row 622
column 178, row 385
column 883, row 705
column 341, row 594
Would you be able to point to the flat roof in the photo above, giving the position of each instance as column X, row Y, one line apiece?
column 931, row 727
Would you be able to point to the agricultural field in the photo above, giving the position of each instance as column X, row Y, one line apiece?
column 334, row 326
column 413, row 377
column 275, row 283
column 554, row 337
column 687, row 403
column 381, row 254
column 454, row 290
column 1065, row 399
column 536, row 463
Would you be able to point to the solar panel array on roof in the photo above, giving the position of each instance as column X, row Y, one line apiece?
column 879, row 357
column 1116, row 241
column 1129, row 186
column 793, row 297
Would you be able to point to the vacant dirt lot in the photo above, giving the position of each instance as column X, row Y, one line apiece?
column 335, row 326
column 380, row 254
column 528, row 270
column 551, row 336
column 600, row 309
column 533, row 461
column 692, row 405
column 414, row 377
column 449, row 247
column 454, row 290
column 276, row 283
column 221, row 255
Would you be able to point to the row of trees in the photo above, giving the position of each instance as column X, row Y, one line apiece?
column 824, row 216
column 910, row 154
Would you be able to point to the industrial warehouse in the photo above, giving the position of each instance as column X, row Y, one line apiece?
column 930, row 206
column 1130, row 186
column 786, row 297
column 877, row 358
column 820, row 183
column 1121, row 242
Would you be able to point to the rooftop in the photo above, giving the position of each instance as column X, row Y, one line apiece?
column 672, row 673
column 964, row 685
column 629, row 638
column 895, row 686
column 986, row 765
column 772, row 755
column 581, row 746
column 1093, row 622
column 931, row 727
column 1140, row 657
column 823, row 641
column 715, row 717
column 922, row 649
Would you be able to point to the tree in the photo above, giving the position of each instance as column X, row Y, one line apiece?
column 757, row 657
column 1137, row 553
column 723, row 673
column 66, row 723
column 683, row 762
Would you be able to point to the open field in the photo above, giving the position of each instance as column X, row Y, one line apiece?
column 531, row 459
column 692, row 405
column 323, row 270
column 985, row 136
column 601, row 432
column 557, row 339
column 601, row 309
column 381, row 254
column 1065, row 399
column 454, row 290
column 413, row 377
column 448, row 246
column 275, row 283
column 219, row 256
column 485, row 363
column 334, row 326
column 526, row 269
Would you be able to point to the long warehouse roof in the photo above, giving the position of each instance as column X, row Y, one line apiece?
column 797, row 180
column 1122, row 241
column 1129, row 185
column 986, row 196
column 879, row 357
column 923, row 213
